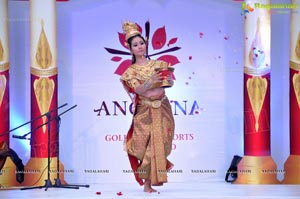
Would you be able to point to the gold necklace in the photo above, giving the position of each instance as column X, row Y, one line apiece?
column 148, row 63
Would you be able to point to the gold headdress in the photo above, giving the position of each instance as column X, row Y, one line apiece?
column 130, row 29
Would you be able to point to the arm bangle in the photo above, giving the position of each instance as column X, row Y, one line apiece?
column 147, row 84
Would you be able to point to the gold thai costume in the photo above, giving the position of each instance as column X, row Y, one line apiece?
column 149, row 139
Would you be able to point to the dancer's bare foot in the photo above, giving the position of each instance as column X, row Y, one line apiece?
column 148, row 188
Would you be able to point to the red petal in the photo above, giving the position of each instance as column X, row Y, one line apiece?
column 119, row 193
column 98, row 193
column 190, row 57
column 122, row 39
column 123, row 67
column 158, row 43
column 159, row 38
column 170, row 59
column 116, row 58
column 172, row 41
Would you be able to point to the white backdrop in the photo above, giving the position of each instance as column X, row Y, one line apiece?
column 209, row 76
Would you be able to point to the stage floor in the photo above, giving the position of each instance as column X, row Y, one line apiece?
column 216, row 190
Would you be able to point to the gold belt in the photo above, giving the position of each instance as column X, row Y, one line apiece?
column 152, row 103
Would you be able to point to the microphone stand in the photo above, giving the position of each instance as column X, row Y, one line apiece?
column 58, row 183
column 23, row 137
column 48, row 115
column 48, row 182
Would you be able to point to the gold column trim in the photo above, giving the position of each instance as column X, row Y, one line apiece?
column 3, row 82
column 296, row 80
column 1, row 51
column 257, row 89
column 257, row 170
column 292, row 170
column 8, row 176
column 297, row 49
column 4, row 67
column 256, row 71
column 294, row 65
column 43, row 72
column 37, row 177
column 43, row 54
column 44, row 90
column 296, row 85
column 43, row 87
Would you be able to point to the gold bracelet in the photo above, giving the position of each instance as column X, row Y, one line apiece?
column 147, row 84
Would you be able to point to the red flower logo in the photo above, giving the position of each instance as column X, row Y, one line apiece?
column 158, row 41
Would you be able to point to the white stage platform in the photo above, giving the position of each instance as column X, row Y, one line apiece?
column 216, row 190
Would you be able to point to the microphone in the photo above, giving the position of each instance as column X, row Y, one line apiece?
column 21, row 137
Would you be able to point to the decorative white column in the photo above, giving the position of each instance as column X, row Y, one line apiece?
column 44, row 87
column 8, row 176
column 292, row 164
column 257, row 165
column 4, row 72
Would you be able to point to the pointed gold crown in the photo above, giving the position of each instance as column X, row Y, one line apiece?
column 130, row 29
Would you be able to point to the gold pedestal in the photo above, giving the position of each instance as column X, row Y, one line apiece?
column 8, row 175
column 36, row 172
column 292, row 170
column 257, row 170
